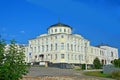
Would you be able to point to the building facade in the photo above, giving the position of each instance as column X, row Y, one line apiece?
column 59, row 45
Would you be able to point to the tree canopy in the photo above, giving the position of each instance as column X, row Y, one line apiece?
column 96, row 63
column 12, row 61
column 116, row 63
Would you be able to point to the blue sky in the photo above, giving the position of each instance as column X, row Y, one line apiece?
column 96, row 20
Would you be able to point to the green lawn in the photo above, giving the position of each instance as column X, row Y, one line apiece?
column 97, row 74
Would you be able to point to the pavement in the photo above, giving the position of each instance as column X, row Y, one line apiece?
column 57, row 72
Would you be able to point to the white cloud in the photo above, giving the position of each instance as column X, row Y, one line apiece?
column 22, row 32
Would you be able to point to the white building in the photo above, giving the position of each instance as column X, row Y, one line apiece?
column 59, row 45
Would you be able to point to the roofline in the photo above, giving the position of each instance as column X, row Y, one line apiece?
column 64, row 25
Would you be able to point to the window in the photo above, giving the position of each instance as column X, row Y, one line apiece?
column 62, row 46
column 111, row 54
column 56, row 46
column 79, row 57
column 42, row 48
column 72, row 56
column 68, row 46
column 62, row 36
column 51, row 30
column 51, row 47
column 38, row 41
column 51, row 56
column 55, row 30
column 46, row 39
column 46, row 47
column 60, row 30
column 64, row 30
column 78, row 48
column 32, row 49
column 68, row 30
column 71, row 47
column 68, row 56
column 55, row 56
column 75, row 57
column 51, row 37
column 62, row 56
column 74, row 47
column 38, row 48
column 55, row 37
column 35, row 49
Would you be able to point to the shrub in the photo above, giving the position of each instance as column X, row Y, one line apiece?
column 116, row 75
column 97, row 64
column 83, row 66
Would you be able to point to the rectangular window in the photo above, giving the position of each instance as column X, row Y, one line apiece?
column 38, row 48
column 51, row 47
column 42, row 48
column 78, row 48
column 68, row 56
column 31, row 49
column 68, row 46
column 35, row 49
column 74, row 47
column 72, row 57
column 62, row 36
column 75, row 57
column 55, row 56
column 111, row 54
column 62, row 46
column 56, row 46
column 55, row 30
column 55, row 37
column 51, row 30
column 62, row 56
column 68, row 31
column 71, row 47
column 46, row 47
column 60, row 30
column 64, row 30
column 51, row 56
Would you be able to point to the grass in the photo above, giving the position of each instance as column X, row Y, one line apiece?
column 98, row 74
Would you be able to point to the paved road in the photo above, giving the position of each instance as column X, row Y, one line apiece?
column 41, row 71
column 53, row 72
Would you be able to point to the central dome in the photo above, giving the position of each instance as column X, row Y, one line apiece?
column 60, row 25
column 59, row 28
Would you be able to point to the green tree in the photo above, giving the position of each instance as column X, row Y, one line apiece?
column 116, row 62
column 96, row 63
column 13, row 65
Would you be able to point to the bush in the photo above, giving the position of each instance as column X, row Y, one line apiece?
column 96, row 63
column 116, row 75
column 98, row 74
column 83, row 66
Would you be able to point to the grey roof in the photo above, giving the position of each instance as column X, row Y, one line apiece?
column 60, row 24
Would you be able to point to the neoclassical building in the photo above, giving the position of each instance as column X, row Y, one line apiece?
column 59, row 45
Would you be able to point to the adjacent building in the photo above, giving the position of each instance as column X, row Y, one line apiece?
column 59, row 45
